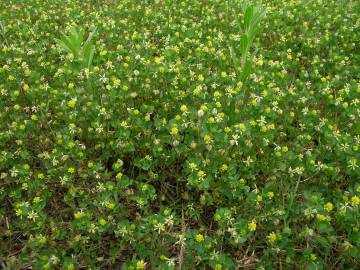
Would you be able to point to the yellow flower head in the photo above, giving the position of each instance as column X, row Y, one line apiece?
column 199, row 238
column 328, row 207
column 71, row 103
column 224, row 168
column 102, row 222
column 272, row 237
column 174, row 131
column 78, row 214
column 355, row 201
column 207, row 138
column 140, row 265
column 252, row 226
column 183, row 108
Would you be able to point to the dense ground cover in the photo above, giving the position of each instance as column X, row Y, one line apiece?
column 160, row 154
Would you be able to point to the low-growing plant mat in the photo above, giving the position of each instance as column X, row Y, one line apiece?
column 187, row 134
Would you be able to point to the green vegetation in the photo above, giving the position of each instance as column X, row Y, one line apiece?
column 189, row 134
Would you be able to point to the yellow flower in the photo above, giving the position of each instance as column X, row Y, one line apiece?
column 174, row 131
column 218, row 267
column 111, row 205
column 217, row 94
column 252, row 226
column 224, row 168
column 272, row 126
column 78, row 214
column 201, row 174
column 71, row 103
column 70, row 267
column 102, row 222
column 199, row 238
column 192, row 166
column 183, row 108
column 207, row 139
column 242, row 127
column 197, row 90
column 158, row 60
column 355, row 201
column 116, row 82
column 136, row 112
column 272, row 237
column 313, row 257
column 18, row 212
column 211, row 120
column 26, row 87
column 140, row 265
column 328, row 207
column 321, row 217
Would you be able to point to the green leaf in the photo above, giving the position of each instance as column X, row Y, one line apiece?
column 88, row 55
column 63, row 45
column 244, row 44
column 69, row 43
column 88, row 50
column 72, row 43
column 91, row 35
column 246, row 70
column 249, row 12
